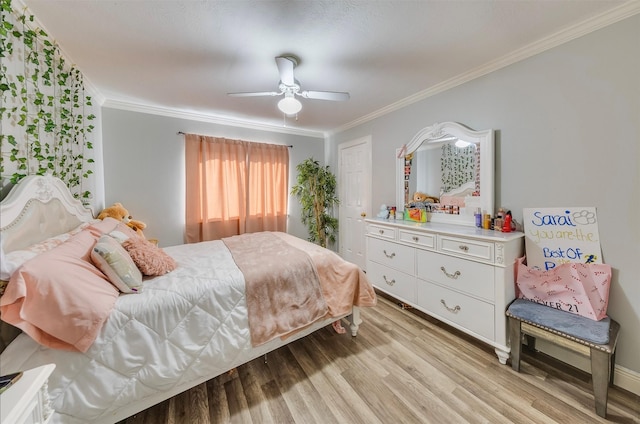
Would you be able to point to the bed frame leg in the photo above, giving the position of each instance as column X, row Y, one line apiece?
column 355, row 321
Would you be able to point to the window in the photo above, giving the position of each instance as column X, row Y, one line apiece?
column 234, row 187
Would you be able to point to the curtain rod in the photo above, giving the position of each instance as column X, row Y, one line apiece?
column 183, row 133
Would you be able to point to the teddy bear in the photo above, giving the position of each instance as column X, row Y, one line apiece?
column 117, row 211
column 421, row 199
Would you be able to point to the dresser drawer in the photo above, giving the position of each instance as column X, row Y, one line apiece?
column 463, row 311
column 418, row 239
column 392, row 281
column 381, row 231
column 469, row 277
column 391, row 254
column 475, row 249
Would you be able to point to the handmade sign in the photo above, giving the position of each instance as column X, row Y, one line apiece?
column 555, row 236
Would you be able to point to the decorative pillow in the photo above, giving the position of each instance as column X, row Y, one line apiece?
column 150, row 259
column 117, row 265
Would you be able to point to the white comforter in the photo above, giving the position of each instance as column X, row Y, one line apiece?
column 184, row 328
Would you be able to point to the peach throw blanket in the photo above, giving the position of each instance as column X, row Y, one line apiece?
column 291, row 283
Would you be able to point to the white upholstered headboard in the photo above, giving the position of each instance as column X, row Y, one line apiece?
column 37, row 208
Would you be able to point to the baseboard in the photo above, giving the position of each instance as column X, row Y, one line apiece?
column 627, row 379
column 622, row 377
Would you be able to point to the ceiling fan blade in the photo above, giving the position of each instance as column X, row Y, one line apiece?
column 255, row 94
column 326, row 95
column 285, row 68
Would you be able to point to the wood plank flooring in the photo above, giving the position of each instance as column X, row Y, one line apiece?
column 403, row 367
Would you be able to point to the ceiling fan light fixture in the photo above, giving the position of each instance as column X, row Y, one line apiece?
column 289, row 105
column 290, row 87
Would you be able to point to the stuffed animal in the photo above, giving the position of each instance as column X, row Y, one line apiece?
column 117, row 211
column 421, row 200
column 420, row 197
column 384, row 212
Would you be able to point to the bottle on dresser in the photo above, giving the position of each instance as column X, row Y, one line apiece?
column 478, row 217
column 499, row 220
column 506, row 227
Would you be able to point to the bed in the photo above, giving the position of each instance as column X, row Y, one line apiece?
column 180, row 329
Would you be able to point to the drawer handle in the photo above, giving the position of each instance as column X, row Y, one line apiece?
column 453, row 276
column 390, row 282
column 415, row 238
column 381, row 231
column 453, row 310
column 464, row 247
column 390, row 256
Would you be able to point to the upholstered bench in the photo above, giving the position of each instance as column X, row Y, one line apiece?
column 593, row 339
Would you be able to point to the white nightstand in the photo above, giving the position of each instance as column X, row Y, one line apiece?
column 27, row 401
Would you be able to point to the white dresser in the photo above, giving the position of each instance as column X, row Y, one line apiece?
column 461, row 275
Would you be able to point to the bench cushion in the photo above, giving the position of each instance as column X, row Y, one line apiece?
column 596, row 332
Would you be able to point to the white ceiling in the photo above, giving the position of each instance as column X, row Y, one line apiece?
column 185, row 56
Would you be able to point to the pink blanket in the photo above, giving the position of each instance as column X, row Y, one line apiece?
column 292, row 283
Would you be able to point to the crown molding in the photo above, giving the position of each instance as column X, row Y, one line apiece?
column 612, row 16
column 210, row 118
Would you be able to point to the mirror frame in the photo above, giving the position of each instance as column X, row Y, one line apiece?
column 433, row 134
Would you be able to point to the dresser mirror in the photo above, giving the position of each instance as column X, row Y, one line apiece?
column 453, row 166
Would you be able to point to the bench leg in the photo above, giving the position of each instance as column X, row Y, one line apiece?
column 600, row 374
column 515, row 336
column 612, row 363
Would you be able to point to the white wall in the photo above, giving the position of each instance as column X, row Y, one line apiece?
column 144, row 167
column 567, row 127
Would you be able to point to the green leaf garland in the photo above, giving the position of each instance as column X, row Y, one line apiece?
column 45, row 113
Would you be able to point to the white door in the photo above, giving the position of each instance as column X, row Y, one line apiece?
column 354, row 184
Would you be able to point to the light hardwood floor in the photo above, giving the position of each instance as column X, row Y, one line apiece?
column 403, row 367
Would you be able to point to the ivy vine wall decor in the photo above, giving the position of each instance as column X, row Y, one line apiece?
column 45, row 114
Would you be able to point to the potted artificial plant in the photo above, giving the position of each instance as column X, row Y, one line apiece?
column 316, row 189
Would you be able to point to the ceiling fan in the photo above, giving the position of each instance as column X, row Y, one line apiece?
column 290, row 87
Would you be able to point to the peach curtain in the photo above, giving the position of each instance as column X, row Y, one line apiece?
column 234, row 187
